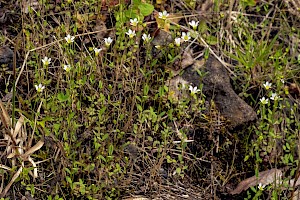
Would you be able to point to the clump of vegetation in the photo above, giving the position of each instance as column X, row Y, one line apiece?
column 92, row 114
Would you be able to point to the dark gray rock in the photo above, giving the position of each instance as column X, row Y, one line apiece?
column 6, row 55
column 217, row 87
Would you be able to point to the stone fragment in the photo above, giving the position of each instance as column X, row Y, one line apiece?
column 6, row 55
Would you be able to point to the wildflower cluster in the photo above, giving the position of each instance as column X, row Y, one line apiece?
column 274, row 96
column 185, row 36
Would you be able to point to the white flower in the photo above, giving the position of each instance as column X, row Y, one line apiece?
column 130, row 33
column 261, row 186
column 282, row 81
column 107, row 41
column 146, row 37
column 97, row 51
column 177, row 41
column 163, row 15
column 185, row 36
column 274, row 97
column 69, row 38
column 194, row 24
column 46, row 61
column 267, row 85
column 264, row 100
column 193, row 90
column 39, row 87
column 67, row 68
column 134, row 22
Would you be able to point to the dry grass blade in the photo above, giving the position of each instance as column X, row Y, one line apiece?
column 5, row 167
column 16, row 175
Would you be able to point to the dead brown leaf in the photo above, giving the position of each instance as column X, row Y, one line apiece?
column 264, row 178
column 4, row 116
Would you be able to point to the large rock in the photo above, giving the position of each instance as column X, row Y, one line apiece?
column 217, row 87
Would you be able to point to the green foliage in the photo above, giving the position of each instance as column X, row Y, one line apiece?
column 113, row 115
column 139, row 10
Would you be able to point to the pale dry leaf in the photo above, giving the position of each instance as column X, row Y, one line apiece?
column 18, row 126
column 30, row 151
column 4, row 116
column 35, row 172
column 265, row 178
column 5, row 167
column 271, row 176
column 11, row 155
column 137, row 198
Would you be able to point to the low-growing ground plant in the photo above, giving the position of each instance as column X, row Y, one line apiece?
column 102, row 121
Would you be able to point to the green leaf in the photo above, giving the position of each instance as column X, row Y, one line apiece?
column 146, row 9
column 131, row 13
column 146, row 90
column 69, row 180
column 62, row 97
column 178, row 170
column 211, row 40
column 139, row 107
column 202, row 26
column 136, row 2
column 110, row 149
